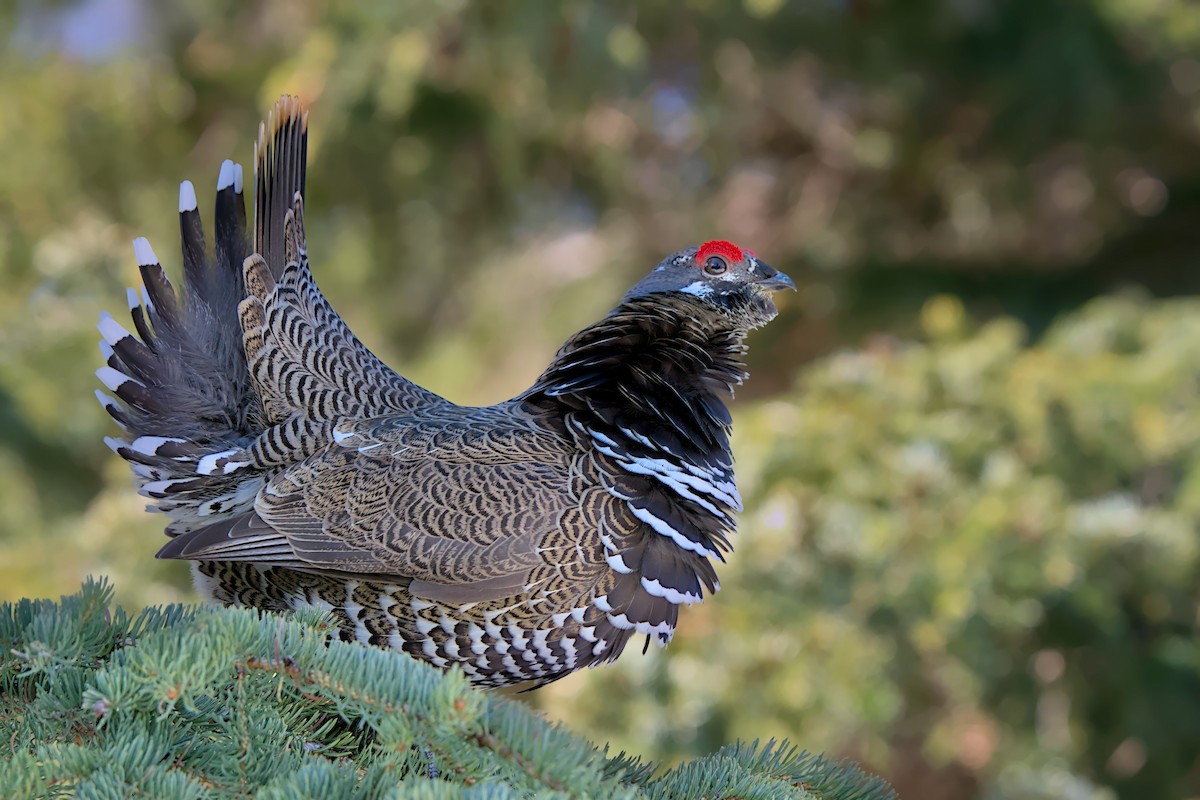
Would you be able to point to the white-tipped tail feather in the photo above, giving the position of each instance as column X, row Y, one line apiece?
column 228, row 176
column 149, row 445
column 111, row 330
column 187, row 197
column 143, row 252
column 113, row 379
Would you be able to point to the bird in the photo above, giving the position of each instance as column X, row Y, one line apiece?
column 518, row 542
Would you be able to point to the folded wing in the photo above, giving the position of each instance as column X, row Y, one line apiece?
column 470, row 504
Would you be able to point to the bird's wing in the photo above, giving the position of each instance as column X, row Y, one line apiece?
column 469, row 506
column 303, row 358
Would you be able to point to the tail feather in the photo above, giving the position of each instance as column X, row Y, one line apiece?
column 137, row 313
column 230, row 228
column 182, row 392
column 162, row 304
column 280, row 159
column 191, row 233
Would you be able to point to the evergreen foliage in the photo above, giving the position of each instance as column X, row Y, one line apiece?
column 183, row 702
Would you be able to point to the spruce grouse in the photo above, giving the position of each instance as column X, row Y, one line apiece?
column 521, row 541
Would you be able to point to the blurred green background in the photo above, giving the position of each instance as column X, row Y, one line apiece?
column 970, row 445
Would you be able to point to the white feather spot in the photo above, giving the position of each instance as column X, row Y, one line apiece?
column 237, row 178
column 131, row 297
column 571, row 651
column 148, row 445
column 187, row 197
column 478, row 646
column 617, row 563
column 160, row 487
column 113, row 379
column 106, row 351
column 227, row 175
column 208, row 464
column 519, row 640
column 603, row 439
column 110, row 329
column 620, row 621
column 662, row 631
column 661, row 527
column 451, row 648
column 671, row 595
column 144, row 252
column 672, row 475
column 697, row 289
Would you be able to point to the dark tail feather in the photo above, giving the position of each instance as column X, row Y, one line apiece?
column 162, row 304
column 191, row 234
column 183, row 393
column 231, row 222
column 280, row 157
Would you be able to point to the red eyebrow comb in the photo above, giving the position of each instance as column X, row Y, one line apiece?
column 729, row 250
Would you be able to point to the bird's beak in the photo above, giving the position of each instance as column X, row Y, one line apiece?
column 772, row 279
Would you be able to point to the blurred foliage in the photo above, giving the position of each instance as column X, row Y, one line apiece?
column 968, row 561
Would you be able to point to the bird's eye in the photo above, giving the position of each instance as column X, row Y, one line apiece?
column 715, row 265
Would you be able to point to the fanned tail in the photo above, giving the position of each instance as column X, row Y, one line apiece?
column 182, row 389
column 247, row 369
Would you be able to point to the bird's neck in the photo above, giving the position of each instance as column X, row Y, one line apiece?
column 650, row 364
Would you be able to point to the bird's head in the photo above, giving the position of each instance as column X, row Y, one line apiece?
column 717, row 277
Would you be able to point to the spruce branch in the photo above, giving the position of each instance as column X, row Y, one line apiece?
column 214, row 703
